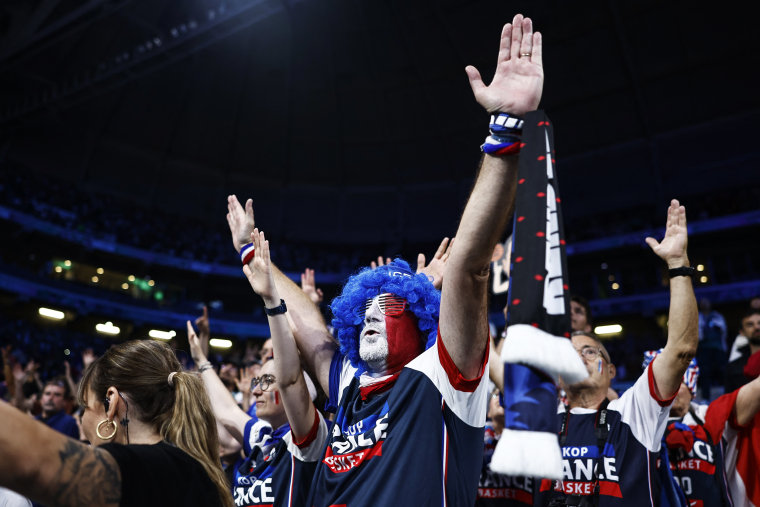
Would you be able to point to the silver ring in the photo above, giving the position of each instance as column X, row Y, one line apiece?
column 526, row 54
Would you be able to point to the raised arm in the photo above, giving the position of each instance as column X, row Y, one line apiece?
column 747, row 402
column 515, row 89
column 223, row 404
column 314, row 340
column 52, row 469
column 287, row 364
column 681, row 347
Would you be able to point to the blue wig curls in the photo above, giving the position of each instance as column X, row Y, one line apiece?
column 396, row 278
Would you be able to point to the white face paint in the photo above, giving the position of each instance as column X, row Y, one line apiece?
column 373, row 340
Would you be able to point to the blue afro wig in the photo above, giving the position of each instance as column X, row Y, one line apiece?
column 396, row 278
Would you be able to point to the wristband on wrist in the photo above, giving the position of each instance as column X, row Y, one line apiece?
column 682, row 271
column 246, row 253
column 206, row 365
column 506, row 133
column 277, row 310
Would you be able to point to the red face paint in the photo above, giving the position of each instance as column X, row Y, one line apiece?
column 404, row 340
column 276, row 398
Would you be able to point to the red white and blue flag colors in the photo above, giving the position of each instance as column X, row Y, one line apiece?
column 537, row 348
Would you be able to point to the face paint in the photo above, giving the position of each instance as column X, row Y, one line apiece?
column 404, row 340
column 390, row 339
column 276, row 397
column 600, row 366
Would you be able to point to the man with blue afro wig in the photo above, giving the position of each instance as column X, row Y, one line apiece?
column 406, row 373
column 408, row 341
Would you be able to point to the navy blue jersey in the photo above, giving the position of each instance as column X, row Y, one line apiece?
column 700, row 471
column 418, row 442
column 497, row 490
column 278, row 473
column 626, row 467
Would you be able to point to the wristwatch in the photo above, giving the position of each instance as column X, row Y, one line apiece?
column 682, row 271
column 277, row 310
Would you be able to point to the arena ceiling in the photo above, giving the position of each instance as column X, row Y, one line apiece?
column 357, row 112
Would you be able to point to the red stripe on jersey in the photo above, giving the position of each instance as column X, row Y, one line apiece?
column 309, row 438
column 459, row 382
column 653, row 388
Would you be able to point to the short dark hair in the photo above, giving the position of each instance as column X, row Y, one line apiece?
column 584, row 303
column 60, row 381
column 749, row 313
column 593, row 336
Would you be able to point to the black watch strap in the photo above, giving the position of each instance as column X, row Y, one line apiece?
column 682, row 271
column 277, row 310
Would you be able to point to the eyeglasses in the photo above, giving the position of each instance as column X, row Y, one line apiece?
column 390, row 305
column 263, row 381
column 592, row 353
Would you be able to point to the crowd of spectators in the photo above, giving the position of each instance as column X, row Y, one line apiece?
column 116, row 219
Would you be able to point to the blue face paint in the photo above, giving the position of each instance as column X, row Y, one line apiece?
column 600, row 366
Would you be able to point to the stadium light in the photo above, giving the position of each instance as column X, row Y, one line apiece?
column 220, row 343
column 162, row 335
column 107, row 328
column 608, row 329
column 51, row 314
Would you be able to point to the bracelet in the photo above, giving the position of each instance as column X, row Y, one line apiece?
column 246, row 253
column 682, row 271
column 277, row 310
column 506, row 133
column 205, row 366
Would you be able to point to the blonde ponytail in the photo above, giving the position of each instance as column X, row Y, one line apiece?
column 172, row 400
column 192, row 428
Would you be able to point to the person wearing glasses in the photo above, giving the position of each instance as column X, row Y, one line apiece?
column 610, row 448
column 284, row 445
column 406, row 373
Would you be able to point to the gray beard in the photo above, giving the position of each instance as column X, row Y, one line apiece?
column 374, row 354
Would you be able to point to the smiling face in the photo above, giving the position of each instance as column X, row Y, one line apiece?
column 390, row 337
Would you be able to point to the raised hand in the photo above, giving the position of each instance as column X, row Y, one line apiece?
column 88, row 356
column 380, row 262
column 434, row 270
column 240, row 220
column 672, row 248
column 244, row 379
column 204, row 330
column 259, row 270
column 196, row 351
column 518, row 82
column 309, row 286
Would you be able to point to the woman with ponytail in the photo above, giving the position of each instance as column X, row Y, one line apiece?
column 152, row 431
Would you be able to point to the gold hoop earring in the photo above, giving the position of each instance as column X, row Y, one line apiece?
column 101, row 423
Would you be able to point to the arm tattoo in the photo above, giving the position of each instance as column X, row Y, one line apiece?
column 86, row 476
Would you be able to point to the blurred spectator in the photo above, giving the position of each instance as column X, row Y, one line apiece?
column 711, row 353
column 580, row 314
column 54, row 396
column 750, row 328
